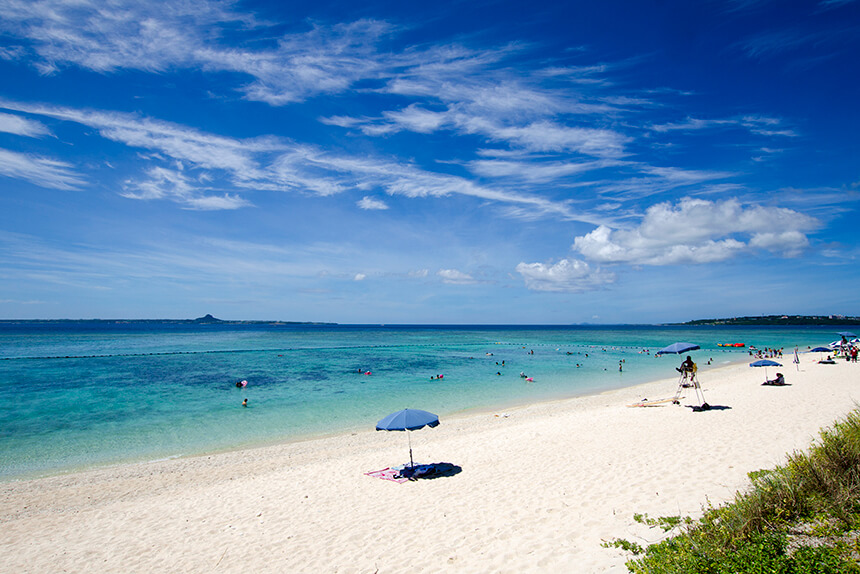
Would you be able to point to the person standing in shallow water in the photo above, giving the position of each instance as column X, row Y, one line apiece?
column 245, row 403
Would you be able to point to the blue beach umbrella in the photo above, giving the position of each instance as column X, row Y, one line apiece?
column 765, row 363
column 678, row 348
column 408, row 420
column 821, row 350
column 846, row 334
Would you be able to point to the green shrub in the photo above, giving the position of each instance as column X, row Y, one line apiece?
column 750, row 534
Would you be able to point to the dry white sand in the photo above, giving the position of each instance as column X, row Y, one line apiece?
column 538, row 491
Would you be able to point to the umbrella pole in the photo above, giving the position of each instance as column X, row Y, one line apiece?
column 409, row 436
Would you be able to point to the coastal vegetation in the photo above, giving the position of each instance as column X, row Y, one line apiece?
column 777, row 320
column 799, row 518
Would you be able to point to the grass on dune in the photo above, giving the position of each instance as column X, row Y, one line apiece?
column 799, row 518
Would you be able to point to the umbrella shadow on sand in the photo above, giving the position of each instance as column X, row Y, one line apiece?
column 701, row 409
column 430, row 471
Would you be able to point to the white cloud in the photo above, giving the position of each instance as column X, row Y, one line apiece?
column 371, row 203
column 359, row 277
column 834, row 3
column 417, row 119
column 157, row 37
column 545, row 136
column 677, row 176
column 274, row 164
column 173, row 140
column 534, row 171
column 40, row 171
column 455, row 277
column 690, row 124
column 789, row 243
column 322, row 60
column 654, row 180
column 105, row 36
column 175, row 186
column 698, row 231
column 22, row 126
column 567, row 276
column 766, row 126
column 761, row 125
column 216, row 202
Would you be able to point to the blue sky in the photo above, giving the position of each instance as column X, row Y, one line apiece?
column 454, row 162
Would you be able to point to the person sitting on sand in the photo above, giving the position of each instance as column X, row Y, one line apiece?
column 779, row 381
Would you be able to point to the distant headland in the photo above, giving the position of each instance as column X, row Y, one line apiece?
column 780, row 320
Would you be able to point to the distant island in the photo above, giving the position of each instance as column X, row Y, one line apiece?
column 208, row 319
column 780, row 320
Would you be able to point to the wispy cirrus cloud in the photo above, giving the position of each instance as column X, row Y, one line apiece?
column 808, row 44
column 834, row 3
column 159, row 37
column 163, row 183
column 268, row 163
column 116, row 34
column 557, row 110
column 41, row 171
column 761, row 125
column 455, row 277
column 22, row 126
column 535, row 171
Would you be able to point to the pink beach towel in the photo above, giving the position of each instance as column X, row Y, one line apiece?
column 387, row 474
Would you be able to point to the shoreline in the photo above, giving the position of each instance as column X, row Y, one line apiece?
column 538, row 490
column 733, row 359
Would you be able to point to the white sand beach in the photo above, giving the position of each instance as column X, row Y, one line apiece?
column 538, row 491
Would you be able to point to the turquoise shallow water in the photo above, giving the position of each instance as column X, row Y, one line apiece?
column 87, row 394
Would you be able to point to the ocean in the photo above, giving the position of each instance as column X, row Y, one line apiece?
column 84, row 394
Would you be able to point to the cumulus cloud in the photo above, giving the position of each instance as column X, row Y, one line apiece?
column 455, row 277
column 359, row 277
column 568, row 276
column 698, row 231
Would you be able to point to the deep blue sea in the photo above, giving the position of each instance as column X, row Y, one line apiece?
column 84, row 394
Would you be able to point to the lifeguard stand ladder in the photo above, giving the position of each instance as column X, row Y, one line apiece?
column 689, row 380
